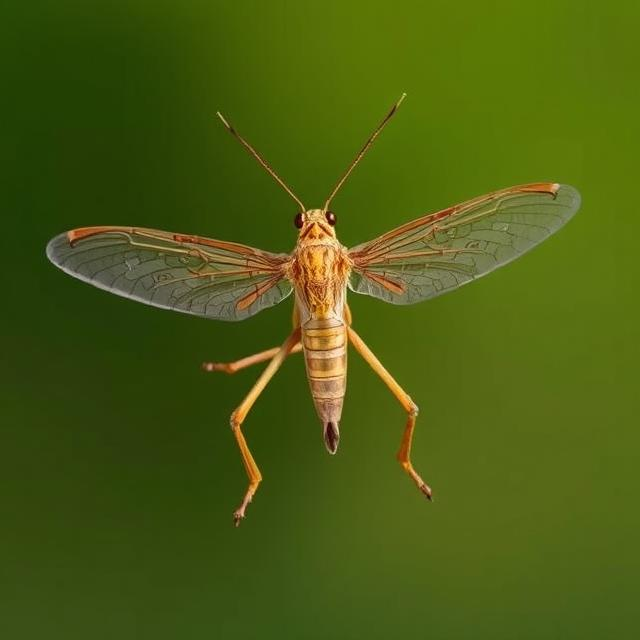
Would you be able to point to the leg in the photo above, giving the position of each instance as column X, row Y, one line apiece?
column 238, row 416
column 404, row 453
column 232, row 367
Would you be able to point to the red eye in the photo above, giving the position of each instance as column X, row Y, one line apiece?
column 299, row 220
column 331, row 218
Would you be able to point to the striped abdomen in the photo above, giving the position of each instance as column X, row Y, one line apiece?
column 325, row 354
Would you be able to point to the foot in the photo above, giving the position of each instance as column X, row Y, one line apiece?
column 426, row 489
column 238, row 514
column 217, row 366
column 420, row 483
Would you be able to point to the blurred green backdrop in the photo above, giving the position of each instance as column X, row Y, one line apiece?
column 119, row 472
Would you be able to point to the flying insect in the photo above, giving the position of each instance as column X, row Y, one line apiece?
column 421, row 259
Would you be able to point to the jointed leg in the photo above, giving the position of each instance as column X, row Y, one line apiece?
column 232, row 367
column 238, row 416
column 404, row 453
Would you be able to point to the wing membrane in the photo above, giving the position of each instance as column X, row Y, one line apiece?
column 191, row 274
column 444, row 250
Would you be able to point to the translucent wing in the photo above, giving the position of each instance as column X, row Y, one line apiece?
column 439, row 252
column 221, row 280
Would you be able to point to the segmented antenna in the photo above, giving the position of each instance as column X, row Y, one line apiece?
column 364, row 150
column 261, row 160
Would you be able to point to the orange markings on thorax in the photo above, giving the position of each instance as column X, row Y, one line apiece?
column 319, row 272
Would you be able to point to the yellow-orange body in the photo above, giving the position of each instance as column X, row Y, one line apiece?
column 230, row 281
column 319, row 270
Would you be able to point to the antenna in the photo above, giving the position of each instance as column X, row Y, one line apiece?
column 260, row 159
column 364, row 150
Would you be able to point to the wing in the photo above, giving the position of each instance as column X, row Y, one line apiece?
column 442, row 251
column 201, row 276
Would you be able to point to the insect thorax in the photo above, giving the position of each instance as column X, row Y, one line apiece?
column 319, row 271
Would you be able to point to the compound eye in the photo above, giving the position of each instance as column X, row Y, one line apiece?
column 331, row 218
column 299, row 220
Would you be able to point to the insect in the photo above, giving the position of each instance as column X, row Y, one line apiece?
column 421, row 259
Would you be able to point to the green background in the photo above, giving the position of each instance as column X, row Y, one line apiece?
column 119, row 473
